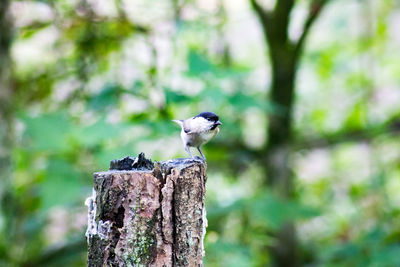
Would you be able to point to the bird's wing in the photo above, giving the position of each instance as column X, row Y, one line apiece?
column 186, row 126
column 196, row 125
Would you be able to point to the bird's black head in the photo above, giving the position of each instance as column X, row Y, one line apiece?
column 211, row 117
column 208, row 116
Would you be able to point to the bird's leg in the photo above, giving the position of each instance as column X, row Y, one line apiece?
column 198, row 148
column 188, row 151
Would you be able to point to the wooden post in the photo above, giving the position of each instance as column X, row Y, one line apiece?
column 145, row 214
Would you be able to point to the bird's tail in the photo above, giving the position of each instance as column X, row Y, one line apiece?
column 180, row 122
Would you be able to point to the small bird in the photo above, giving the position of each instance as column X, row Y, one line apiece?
column 197, row 131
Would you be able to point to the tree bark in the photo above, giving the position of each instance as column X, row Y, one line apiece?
column 148, row 216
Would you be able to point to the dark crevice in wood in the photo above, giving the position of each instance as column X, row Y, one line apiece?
column 119, row 218
column 174, row 222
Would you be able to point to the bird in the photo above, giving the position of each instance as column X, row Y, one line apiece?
column 197, row 131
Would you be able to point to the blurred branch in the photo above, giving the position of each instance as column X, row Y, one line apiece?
column 237, row 146
column 36, row 25
column 360, row 135
column 262, row 13
column 275, row 22
column 314, row 11
column 223, row 43
column 281, row 18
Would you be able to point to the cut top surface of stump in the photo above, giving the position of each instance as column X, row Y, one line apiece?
column 128, row 163
column 142, row 164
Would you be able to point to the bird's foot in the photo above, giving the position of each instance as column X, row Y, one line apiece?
column 198, row 159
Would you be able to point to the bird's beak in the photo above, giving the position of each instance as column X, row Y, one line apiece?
column 218, row 123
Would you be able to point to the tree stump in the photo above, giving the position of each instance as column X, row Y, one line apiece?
column 145, row 214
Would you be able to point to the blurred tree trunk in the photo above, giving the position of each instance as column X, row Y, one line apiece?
column 5, row 91
column 284, row 56
column 7, row 197
column 6, row 98
column 153, row 216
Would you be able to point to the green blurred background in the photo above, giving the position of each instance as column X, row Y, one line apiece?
column 305, row 170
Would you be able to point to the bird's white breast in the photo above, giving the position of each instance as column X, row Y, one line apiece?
column 198, row 139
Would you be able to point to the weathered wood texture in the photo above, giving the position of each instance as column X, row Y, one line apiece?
column 148, row 216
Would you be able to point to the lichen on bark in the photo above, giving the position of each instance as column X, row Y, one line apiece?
column 155, row 214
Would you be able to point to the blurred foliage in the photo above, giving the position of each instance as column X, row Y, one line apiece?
column 95, row 81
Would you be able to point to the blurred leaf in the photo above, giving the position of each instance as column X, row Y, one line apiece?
column 35, row 86
column 358, row 117
column 98, row 132
column 198, row 64
column 159, row 128
column 71, row 253
column 108, row 97
column 213, row 95
column 98, row 38
column 47, row 132
column 342, row 253
column 218, row 211
column 325, row 61
column 64, row 184
column 227, row 254
column 233, row 72
column 358, row 80
column 30, row 30
column 318, row 117
column 386, row 256
column 275, row 211
column 357, row 191
column 242, row 102
column 173, row 97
